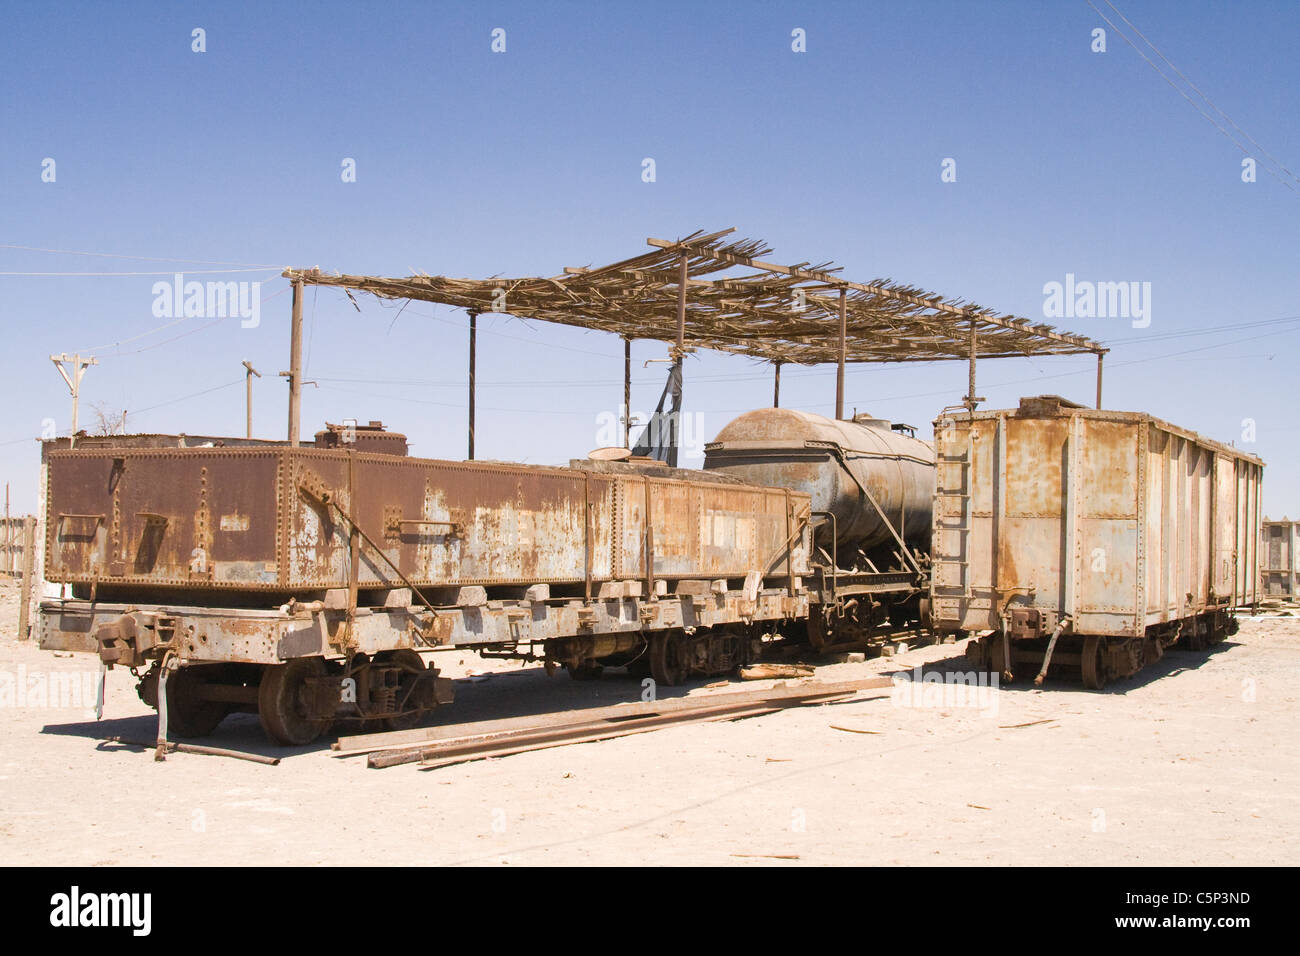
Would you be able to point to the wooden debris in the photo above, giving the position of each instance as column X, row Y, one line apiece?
column 775, row 671
column 439, row 746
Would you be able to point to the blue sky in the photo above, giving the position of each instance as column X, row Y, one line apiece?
column 474, row 163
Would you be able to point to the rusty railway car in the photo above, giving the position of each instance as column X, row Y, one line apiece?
column 306, row 583
column 872, row 487
column 303, row 582
column 1086, row 541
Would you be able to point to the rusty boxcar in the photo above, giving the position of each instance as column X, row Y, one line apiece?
column 1088, row 541
column 302, row 582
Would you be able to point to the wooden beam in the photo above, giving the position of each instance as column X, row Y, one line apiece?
column 28, row 585
column 935, row 303
column 1099, row 358
column 971, row 401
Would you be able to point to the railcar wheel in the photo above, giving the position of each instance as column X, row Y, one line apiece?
column 282, row 702
column 412, row 664
column 668, row 664
column 1093, row 663
column 188, row 715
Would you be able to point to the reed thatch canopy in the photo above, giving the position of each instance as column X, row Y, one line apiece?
column 736, row 302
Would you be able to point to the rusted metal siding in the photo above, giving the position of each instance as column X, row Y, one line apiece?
column 1116, row 519
column 172, row 517
column 247, row 519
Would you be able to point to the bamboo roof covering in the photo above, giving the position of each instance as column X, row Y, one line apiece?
column 737, row 302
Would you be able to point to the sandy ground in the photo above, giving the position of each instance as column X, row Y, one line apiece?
column 1192, row 763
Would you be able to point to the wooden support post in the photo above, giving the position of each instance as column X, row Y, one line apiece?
column 1099, row 358
column 29, row 554
column 843, row 345
column 627, row 393
column 473, row 346
column 971, row 400
column 295, row 366
column 776, row 385
column 681, row 305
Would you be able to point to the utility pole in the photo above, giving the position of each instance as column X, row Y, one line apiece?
column 248, row 394
column 79, row 366
column 294, row 375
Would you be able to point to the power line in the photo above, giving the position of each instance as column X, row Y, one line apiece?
column 1181, row 92
column 1210, row 330
column 184, row 398
column 114, row 255
column 69, row 275
column 168, row 325
column 1212, row 104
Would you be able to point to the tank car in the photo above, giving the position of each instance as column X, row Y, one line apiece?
column 871, row 484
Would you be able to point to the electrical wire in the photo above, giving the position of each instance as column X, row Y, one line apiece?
column 115, row 255
column 1181, row 92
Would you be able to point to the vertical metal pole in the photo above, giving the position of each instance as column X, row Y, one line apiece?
column 295, row 366
column 473, row 345
column 679, row 355
column 627, row 393
column 776, row 385
column 9, row 537
column 970, row 394
column 839, row 371
column 1099, row 357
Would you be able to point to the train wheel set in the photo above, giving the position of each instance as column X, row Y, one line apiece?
column 1094, row 660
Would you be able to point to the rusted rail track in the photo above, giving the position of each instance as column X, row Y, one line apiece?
column 441, row 746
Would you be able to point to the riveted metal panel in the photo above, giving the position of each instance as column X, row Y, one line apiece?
column 1118, row 519
column 281, row 519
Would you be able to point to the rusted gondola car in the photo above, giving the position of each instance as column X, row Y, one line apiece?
column 303, row 582
column 1085, row 542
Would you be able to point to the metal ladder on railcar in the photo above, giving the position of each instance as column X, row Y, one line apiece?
column 945, row 490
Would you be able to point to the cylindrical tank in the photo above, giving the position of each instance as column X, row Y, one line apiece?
column 828, row 459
